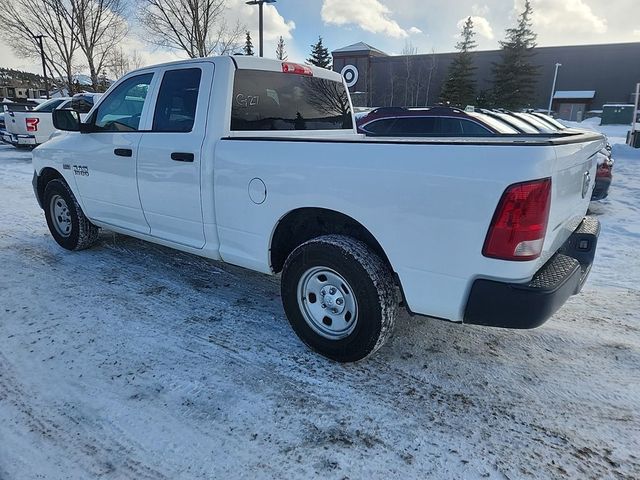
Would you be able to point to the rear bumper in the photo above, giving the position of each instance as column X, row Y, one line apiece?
column 529, row 305
column 14, row 139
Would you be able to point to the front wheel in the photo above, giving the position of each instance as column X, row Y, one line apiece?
column 339, row 297
column 66, row 220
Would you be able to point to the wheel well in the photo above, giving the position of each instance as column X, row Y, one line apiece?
column 303, row 224
column 46, row 175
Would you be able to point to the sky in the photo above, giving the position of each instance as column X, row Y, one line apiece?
column 392, row 25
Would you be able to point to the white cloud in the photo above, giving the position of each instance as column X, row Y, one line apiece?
column 370, row 15
column 481, row 26
column 566, row 16
column 414, row 31
column 275, row 24
column 636, row 33
column 480, row 10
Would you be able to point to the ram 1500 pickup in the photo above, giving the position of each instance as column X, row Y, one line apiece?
column 257, row 163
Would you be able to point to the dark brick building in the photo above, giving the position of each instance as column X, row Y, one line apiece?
column 601, row 73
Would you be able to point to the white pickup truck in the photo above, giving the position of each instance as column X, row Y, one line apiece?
column 257, row 163
column 31, row 128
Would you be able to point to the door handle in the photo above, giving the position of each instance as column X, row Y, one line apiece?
column 182, row 157
column 123, row 152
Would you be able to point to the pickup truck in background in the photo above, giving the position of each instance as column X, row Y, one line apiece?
column 257, row 163
column 32, row 128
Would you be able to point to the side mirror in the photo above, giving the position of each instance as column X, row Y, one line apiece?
column 66, row 120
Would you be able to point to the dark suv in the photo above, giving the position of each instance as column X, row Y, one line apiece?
column 429, row 122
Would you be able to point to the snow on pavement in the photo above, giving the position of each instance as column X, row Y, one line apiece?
column 133, row 361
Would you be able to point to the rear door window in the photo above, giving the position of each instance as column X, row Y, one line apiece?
column 450, row 126
column 414, row 126
column 264, row 100
column 177, row 101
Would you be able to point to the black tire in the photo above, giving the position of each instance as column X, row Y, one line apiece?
column 373, row 289
column 83, row 233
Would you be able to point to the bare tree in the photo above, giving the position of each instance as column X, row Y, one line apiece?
column 136, row 60
column 101, row 25
column 22, row 20
column 197, row 27
column 120, row 63
column 433, row 68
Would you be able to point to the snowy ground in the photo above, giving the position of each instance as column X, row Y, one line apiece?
column 132, row 361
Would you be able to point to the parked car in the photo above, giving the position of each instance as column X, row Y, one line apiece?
column 426, row 122
column 29, row 129
column 604, row 177
column 256, row 162
column 7, row 112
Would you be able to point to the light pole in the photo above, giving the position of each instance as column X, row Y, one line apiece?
column 44, row 64
column 553, row 88
column 260, row 4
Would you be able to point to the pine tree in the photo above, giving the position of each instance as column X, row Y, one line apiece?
column 248, row 45
column 281, row 53
column 515, row 76
column 460, row 85
column 319, row 55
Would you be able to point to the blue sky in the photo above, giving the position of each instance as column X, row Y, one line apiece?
column 391, row 24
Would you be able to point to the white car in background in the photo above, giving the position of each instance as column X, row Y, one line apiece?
column 33, row 128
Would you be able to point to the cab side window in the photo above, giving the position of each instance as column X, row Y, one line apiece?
column 177, row 101
column 121, row 110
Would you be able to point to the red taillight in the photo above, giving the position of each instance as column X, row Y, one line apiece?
column 604, row 170
column 519, row 225
column 288, row 67
column 32, row 124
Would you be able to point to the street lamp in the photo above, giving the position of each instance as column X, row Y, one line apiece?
column 553, row 88
column 44, row 65
column 260, row 4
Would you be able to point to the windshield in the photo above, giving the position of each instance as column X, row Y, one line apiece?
column 543, row 126
column 494, row 123
column 49, row 105
column 550, row 120
column 516, row 122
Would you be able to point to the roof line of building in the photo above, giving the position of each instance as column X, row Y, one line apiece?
column 346, row 49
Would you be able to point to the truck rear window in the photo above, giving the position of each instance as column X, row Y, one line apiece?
column 277, row 101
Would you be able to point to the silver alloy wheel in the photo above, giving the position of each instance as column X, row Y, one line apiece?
column 327, row 303
column 60, row 215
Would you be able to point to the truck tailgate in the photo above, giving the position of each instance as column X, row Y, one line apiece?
column 572, row 183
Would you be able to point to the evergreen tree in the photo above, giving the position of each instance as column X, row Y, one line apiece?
column 281, row 53
column 460, row 85
column 248, row 45
column 319, row 55
column 515, row 76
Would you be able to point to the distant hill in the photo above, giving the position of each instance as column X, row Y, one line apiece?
column 16, row 78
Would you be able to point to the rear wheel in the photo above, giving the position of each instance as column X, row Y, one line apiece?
column 66, row 220
column 339, row 297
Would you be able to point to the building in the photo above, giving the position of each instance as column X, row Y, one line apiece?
column 590, row 76
column 21, row 93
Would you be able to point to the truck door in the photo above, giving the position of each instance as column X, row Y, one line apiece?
column 104, row 161
column 169, row 162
